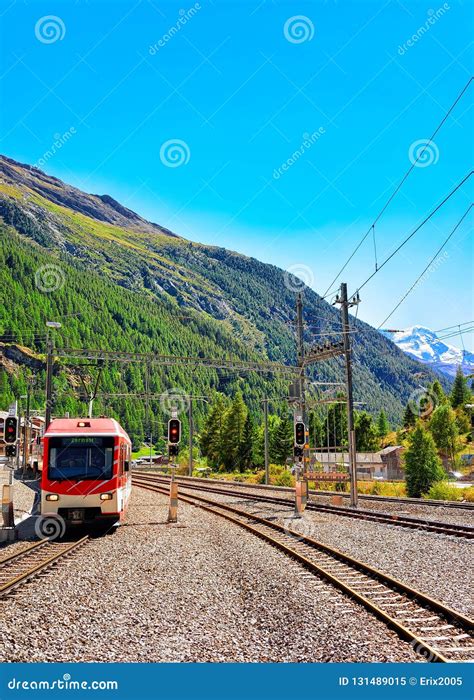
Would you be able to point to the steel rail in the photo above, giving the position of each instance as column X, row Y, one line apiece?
column 422, row 601
column 400, row 500
column 437, row 527
column 18, row 579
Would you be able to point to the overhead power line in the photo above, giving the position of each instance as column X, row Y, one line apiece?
column 425, row 220
column 395, row 192
column 426, row 268
column 456, row 325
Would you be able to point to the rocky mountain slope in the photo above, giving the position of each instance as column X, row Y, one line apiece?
column 120, row 282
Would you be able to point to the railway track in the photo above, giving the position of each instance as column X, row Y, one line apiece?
column 443, row 528
column 19, row 568
column 437, row 632
column 402, row 501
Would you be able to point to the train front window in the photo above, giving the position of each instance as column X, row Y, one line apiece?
column 82, row 457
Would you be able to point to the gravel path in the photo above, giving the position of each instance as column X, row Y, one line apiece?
column 437, row 565
column 203, row 590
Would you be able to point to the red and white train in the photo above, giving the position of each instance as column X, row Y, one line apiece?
column 86, row 476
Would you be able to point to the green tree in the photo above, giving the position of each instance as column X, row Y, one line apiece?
column 212, row 435
column 336, row 425
column 463, row 421
column 444, row 429
column 409, row 418
column 234, row 425
column 247, row 445
column 283, row 440
column 438, row 393
column 366, row 433
column 460, row 394
column 317, row 435
column 382, row 424
column 422, row 464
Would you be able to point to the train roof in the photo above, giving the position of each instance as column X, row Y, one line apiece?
column 89, row 426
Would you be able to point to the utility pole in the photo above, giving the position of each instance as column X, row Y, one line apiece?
column 300, row 349
column 49, row 381
column 49, row 370
column 266, row 452
column 345, row 304
column 191, row 436
column 26, row 427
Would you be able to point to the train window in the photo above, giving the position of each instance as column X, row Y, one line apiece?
column 79, row 458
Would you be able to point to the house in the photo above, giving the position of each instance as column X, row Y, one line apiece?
column 385, row 464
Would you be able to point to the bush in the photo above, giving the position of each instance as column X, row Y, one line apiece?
column 442, row 491
column 468, row 494
column 285, row 479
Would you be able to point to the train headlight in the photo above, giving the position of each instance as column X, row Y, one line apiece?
column 52, row 497
column 105, row 496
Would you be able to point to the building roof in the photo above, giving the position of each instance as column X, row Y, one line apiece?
column 391, row 448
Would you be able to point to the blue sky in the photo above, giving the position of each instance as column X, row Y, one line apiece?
column 238, row 85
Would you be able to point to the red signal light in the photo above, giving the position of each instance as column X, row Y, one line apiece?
column 299, row 433
column 174, row 431
column 11, row 429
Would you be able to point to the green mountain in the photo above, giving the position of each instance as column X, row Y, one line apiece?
column 119, row 282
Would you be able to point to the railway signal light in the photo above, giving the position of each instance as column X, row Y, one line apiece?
column 298, row 452
column 11, row 429
column 174, row 431
column 10, row 451
column 300, row 437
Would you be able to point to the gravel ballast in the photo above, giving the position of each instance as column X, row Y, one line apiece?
column 438, row 565
column 202, row 590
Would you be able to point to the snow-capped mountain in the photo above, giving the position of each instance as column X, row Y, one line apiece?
column 424, row 345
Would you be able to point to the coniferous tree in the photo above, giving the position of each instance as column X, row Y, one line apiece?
column 422, row 464
column 247, row 446
column 212, row 435
column 234, row 424
column 382, row 424
column 283, row 441
column 366, row 433
column 444, row 429
column 409, row 418
column 317, row 435
column 438, row 393
column 460, row 394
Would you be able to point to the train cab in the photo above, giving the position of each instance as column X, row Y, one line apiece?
column 86, row 476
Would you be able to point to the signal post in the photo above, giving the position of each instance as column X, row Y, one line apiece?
column 174, row 438
column 300, row 452
column 11, row 449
